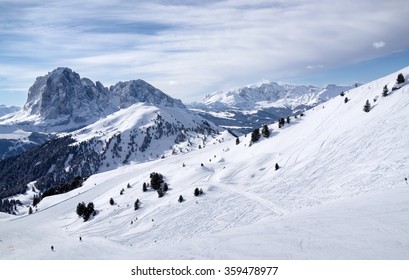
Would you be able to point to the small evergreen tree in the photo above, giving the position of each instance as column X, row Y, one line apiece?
column 288, row 119
column 136, row 205
column 36, row 199
column 277, row 166
column 237, row 140
column 367, row 106
column 180, row 199
column 128, row 186
column 111, row 201
column 265, row 131
column 160, row 193
column 156, row 180
column 385, row 91
column 89, row 210
column 255, row 135
column 144, row 187
column 281, row 123
column 122, row 192
column 196, row 192
column 165, row 187
column 346, row 100
column 342, row 93
column 80, row 209
column 30, row 211
column 400, row 79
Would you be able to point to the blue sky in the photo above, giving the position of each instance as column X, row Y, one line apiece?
column 191, row 48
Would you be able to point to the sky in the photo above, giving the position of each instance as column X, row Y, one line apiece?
column 189, row 48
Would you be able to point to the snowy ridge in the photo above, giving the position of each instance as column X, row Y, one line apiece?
column 340, row 194
column 272, row 95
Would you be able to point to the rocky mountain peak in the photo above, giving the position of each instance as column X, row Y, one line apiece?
column 62, row 97
column 136, row 91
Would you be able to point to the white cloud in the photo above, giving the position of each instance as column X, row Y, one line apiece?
column 379, row 44
column 315, row 66
column 204, row 47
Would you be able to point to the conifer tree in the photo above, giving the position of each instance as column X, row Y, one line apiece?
column 346, row 99
column 400, row 79
column 111, row 201
column 30, row 211
column 136, row 205
column 237, row 141
column 288, row 119
column 255, row 135
column 385, row 91
column 144, row 187
column 180, row 199
column 80, row 209
column 196, row 192
column 277, row 166
column 265, row 131
column 367, row 106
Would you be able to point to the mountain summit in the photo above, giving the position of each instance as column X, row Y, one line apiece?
column 62, row 97
column 63, row 101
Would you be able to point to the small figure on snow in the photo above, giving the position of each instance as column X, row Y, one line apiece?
column 80, row 238
column 406, row 179
column 52, row 248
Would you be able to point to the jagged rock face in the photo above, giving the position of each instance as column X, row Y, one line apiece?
column 135, row 91
column 62, row 96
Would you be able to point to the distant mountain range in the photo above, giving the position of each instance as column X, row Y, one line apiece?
column 244, row 108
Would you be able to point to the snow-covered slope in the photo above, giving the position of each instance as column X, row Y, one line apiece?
column 340, row 194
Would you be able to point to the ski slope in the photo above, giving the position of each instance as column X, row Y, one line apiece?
column 340, row 194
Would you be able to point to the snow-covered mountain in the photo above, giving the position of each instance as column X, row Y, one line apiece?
column 340, row 193
column 272, row 95
column 245, row 108
column 92, row 129
column 63, row 101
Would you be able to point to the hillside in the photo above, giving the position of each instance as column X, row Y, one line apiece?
column 340, row 193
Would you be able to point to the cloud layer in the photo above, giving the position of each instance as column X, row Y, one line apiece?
column 189, row 48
